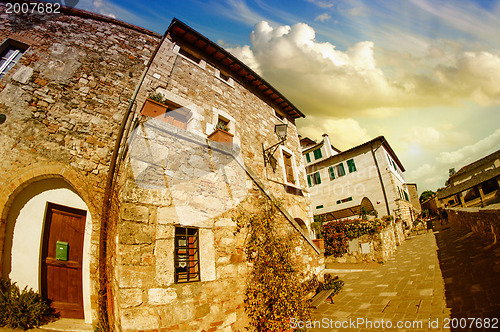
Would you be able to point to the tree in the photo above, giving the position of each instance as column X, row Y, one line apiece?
column 426, row 195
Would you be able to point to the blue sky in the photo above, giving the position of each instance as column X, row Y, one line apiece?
column 423, row 73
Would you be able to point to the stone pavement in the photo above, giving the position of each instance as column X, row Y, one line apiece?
column 408, row 288
column 450, row 275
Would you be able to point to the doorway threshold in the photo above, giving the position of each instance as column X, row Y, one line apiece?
column 67, row 325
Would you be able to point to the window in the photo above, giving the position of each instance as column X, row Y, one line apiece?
column 224, row 77
column 313, row 179
column 470, row 194
column 317, row 154
column 319, row 207
column 10, row 52
column 186, row 257
column 332, row 172
column 308, row 157
column 340, row 170
column 189, row 56
column 351, row 165
column 489, row 186
column 345, row 200
column 287, row 158
column 222, row 124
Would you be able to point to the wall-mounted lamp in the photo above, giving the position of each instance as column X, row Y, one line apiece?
column 280, row 131
column 3, row 117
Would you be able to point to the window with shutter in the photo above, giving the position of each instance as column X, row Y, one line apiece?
column 332, row 172
column 10, row 52
column 351, row 165
column 340, row 170
column 317, row 178
column 309, row 180
column 317, row 153
column 308, row 157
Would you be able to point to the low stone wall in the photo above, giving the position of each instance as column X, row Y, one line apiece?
column 485, row 221
column 372, row 248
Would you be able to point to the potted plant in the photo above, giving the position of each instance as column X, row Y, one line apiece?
column 221, row 133
column 317, row 227
column 154, row 106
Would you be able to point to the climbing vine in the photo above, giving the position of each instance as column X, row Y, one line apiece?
column 274, row 292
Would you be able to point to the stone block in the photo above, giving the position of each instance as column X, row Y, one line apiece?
column 142, row 318
column 23, row 74
column 161, row 296
column 164, row 270
column 130, row 297
column 135, row 276
column 134, row 233
column 167, row 215
column 134, row 212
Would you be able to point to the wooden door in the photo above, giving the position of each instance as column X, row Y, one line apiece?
column 61, row 278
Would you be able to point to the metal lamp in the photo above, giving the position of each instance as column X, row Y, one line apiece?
column 280, row 130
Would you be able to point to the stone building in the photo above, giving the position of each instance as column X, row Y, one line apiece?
column 368, row 177
column 106, row 192
column 476, row 184
column 414, row 197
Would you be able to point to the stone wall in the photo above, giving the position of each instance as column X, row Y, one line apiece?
column 485, row 221
column 201, row 189
column 378, row 247
column 177, row 177
column 64, row 101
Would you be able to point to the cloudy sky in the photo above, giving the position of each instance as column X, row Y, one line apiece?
column 423, row 73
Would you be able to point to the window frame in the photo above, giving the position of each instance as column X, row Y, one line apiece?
column 317, row 155
column 188, row 233
column 21, row 49
column 282, row 151
column 339, row 167
column 180, row 50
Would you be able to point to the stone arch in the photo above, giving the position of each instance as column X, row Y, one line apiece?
column 367, row 204
column 22, row 189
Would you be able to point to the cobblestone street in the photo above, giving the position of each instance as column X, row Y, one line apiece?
column 433, row 278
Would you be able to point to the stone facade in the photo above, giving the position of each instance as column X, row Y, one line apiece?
column 77, row 85
column 64, row 101
column 175, row 177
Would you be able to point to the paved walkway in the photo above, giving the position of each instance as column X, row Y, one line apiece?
column 408, row 288
column 435, row 278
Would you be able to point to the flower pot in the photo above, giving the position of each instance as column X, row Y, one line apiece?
column 320, row 243
column 153, row 108
column 221, row 136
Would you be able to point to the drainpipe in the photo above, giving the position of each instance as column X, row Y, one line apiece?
column 380, row 178
column 104, row 315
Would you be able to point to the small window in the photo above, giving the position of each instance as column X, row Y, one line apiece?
column 186, row 255
column 189, row 55
column 317, row 154
column 332, row 172
column 316, row 178
column 278, row 115
column 222, row 124
column 308, row 157
column 351, row 165
column 309, row 181
column 287, row 158
column 340, row 170
column 10, row 52
column 319, row 207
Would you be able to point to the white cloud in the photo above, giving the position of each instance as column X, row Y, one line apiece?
column 323, row 17
column 470, row 153
column 103, row 8
column 323, row 80
column 343, row 133
column 322, row 4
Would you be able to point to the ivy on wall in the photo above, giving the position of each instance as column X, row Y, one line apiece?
column 274, row 291
column 338, row 233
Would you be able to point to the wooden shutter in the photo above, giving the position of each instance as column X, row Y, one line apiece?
column 332, row 173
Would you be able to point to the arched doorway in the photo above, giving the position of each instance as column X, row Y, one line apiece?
column 47, row 245
column 302, row 225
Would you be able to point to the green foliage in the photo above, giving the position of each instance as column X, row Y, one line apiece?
column 274, row 293
column 222, row 126
column 338, row 233
column 317, row 227
column 158, row 97
column 387, row 218
column 426, row 195
column 332, row 282
column 24, row 309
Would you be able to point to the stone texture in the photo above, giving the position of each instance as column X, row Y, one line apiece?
column 161, row 296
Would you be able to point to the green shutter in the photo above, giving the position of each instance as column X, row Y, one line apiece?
column 318, row 178
column 332, row 172
column 340, row 169
column 309, row 181
column 317, row 153
column 308, row 157
column 351, row 165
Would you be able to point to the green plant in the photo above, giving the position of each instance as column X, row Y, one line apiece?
column 222, row 126
column 387, row 218
column 24, row 309
column 274, row 294
column 317, row 227
column 156, row 96
column 332, row 282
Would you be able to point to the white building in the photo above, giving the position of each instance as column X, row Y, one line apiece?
column 369, row 175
